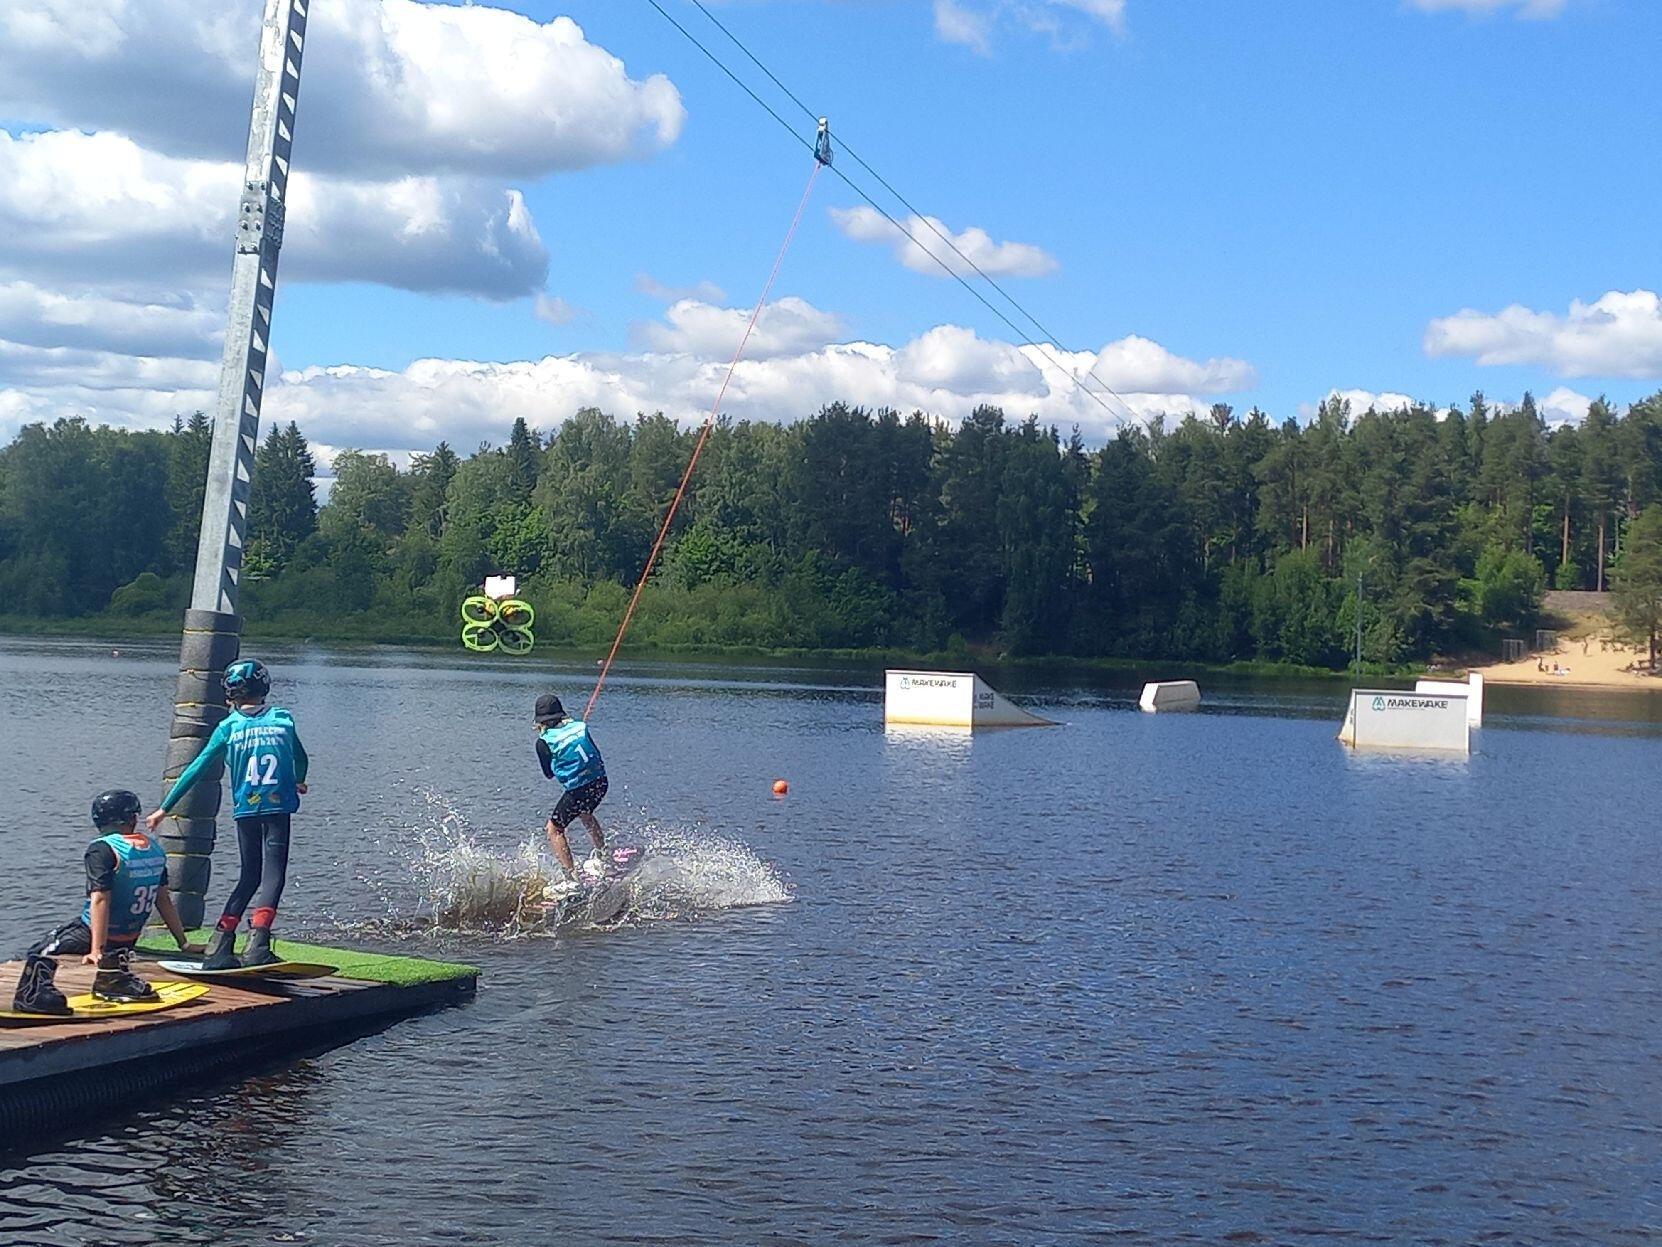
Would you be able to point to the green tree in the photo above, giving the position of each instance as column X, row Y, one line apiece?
column 371, row 492
column 430, row 477
column 187, row 479
column 1636, row 586
column 524, row 451
column 1600, row 486
column 282, row 504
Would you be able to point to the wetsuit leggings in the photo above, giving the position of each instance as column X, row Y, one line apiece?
column 263, row 843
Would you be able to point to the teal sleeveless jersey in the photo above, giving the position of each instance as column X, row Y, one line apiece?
column 573, row 756
column 264, row 762
column 140, row 865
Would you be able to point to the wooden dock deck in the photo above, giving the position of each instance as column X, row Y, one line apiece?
column 54, row 1073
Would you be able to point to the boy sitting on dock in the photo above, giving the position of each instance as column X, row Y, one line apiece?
column 266, row 765
column 569, row 756
column 126, row 877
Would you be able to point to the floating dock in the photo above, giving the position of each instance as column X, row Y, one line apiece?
column 55, row 1073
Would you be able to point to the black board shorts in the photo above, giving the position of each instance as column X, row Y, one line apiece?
column 575, row 801
column 72, row 939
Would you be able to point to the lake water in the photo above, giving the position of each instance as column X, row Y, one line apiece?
column 1182, row 978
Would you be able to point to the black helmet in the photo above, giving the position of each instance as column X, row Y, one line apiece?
column 246, row 681
column 549, row 709
column 115, row 806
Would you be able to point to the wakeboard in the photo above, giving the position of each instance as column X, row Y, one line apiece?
column 276, row 970
column 603, row 890
column 89, row 1008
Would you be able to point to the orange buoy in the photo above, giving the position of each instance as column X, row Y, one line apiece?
column 780, row 787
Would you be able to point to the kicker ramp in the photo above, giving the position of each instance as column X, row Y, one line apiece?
column 1169, row 695
column 1472, row 691
column 950, row 699
column 1383, row 718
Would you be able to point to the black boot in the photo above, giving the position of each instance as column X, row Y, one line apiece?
column 36, row 992
column 222, row 951
column 257, row 952
column 115, row 982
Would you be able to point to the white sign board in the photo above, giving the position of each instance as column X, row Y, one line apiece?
column 1382, row 718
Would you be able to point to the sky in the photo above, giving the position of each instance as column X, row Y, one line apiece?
column 532, row 206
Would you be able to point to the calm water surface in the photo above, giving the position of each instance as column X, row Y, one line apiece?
column 1182, row 978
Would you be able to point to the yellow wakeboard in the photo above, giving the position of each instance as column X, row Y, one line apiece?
column 89, row 1008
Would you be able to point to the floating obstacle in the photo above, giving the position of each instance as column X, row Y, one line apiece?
column 1170, row 695
column 1394, row 719
column 1471, row 690
column 950, row 699
column 53, row 1073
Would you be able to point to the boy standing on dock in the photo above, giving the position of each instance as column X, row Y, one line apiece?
column 569, row 756
column 126, row 877
column 266, row 765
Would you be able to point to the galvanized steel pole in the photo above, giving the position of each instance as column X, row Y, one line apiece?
column 212, row 628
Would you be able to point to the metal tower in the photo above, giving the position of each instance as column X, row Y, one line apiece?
column 212, row 628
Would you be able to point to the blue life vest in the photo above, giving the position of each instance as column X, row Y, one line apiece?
column 574, row 757
column 264, row 762
column 140, row 864
column 259, row 761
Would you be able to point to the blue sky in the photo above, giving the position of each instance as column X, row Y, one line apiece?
column 525, row 208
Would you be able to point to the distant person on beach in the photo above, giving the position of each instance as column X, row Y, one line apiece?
column 126, row 879
column 568, row 756
column 267, row 767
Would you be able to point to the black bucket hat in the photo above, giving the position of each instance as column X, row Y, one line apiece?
column 549, row 710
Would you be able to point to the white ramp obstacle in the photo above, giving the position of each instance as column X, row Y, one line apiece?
column 1170, row 695
column 950, row 699
column 1381, row 718
column 1472, row 691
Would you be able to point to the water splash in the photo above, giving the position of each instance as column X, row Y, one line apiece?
column 472, row 887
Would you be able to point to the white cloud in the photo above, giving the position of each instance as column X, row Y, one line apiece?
column 77, row 208
column 954, row 359
column 1139, row 365
column 1482, row 8
column 31, row 315
column 930, row 247
column 44, row 383
column 1564, row 406
column 652, row 288
column 945, row 372
column 973, row 26
column 956, row 24
column 1619, row 335
column 388, row 87
column 789, row 326
column 555, row 310
column 1368, row 400
column 1110, row 13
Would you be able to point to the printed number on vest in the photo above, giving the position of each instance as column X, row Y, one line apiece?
column 144, row 897
column 262, row 770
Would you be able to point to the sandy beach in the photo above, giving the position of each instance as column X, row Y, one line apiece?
column 1589, row 661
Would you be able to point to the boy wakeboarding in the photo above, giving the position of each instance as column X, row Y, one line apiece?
column 569, row 756
column 126, row 878
column 266, row 765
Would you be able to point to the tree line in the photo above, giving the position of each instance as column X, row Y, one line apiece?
column 1216, row 539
